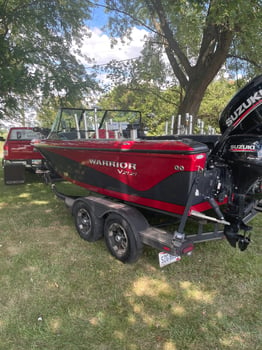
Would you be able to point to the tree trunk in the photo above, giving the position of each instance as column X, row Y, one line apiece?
column 194, row 79
column 206, row 69
column 192, row 98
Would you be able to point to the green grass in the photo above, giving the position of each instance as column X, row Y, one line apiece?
column 60, row 292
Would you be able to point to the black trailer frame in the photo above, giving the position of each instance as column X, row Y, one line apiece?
column 126, row 229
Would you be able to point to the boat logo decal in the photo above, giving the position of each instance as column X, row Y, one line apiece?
column 123, row 168
column 250, row 102
column 114, row 164
column 243, row 148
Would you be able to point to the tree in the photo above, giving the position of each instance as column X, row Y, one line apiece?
column 162, row 104
column 198, row 38
column 38, row 47
column 217, row 96
column 157, row 107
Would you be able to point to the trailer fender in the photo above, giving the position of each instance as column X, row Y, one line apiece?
column 103, row 207
column 121, row 224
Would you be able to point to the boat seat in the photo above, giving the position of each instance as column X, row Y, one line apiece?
column 102, row 134
column 67, row 135
column 74, row 135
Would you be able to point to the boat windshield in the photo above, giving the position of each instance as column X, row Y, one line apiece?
column 82, row 124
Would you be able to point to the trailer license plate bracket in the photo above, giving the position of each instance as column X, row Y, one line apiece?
column 167, row 259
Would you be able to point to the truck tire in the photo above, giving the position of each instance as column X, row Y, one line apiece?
column 122, row 241
column 88, row 225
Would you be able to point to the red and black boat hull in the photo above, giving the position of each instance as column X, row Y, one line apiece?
column 150, row 173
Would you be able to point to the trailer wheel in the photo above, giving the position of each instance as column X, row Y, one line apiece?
column 88, row 225
column 121, row 240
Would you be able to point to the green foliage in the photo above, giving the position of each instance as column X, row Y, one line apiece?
column 158, row 106
column 198, row 38
column 38, row 45
column 46, row 116
column 217, row 96
column 48, row 110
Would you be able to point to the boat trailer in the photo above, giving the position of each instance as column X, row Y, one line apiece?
column 127, row 228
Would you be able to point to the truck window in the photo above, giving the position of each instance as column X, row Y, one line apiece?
column 24, row 134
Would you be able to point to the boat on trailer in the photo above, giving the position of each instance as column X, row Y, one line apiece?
column 208, row 178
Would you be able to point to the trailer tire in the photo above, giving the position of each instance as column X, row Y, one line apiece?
column 88, row 225
column 122, row 241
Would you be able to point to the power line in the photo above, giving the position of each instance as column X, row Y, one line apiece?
column 120, row 61
column 117, row 61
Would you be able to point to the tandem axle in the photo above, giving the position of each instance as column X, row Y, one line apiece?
column 126, row 228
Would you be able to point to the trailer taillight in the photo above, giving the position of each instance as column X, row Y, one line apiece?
column 188, row 249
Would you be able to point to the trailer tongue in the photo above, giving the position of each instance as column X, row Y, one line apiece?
column 205, row 179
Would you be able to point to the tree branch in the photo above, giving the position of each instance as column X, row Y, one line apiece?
column 215, row 44
column 246, row 59
column 166, row 32
column 154, row 93
column 117, row 9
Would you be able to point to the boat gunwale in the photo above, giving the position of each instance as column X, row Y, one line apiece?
column 182, row 152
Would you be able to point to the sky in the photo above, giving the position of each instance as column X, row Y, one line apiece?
column 98, row 46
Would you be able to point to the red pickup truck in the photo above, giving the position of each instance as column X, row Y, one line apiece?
column 20, row 154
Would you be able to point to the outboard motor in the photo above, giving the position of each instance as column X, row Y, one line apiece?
column 240, row 151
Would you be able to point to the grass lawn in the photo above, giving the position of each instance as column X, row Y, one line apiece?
column 60, row 292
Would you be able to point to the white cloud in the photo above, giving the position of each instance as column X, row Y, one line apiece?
column 98, row 46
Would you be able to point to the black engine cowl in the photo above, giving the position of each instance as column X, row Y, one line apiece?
column 243, row 114
column 240, row 150
column 243, row 154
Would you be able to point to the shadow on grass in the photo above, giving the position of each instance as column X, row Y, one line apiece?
column 31, row 189
column 73, row 295
column 60, row 292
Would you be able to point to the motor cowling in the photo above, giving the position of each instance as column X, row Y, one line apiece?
column 240, row 145
column 243, row 114
column 243, row 154
column 240, row 149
